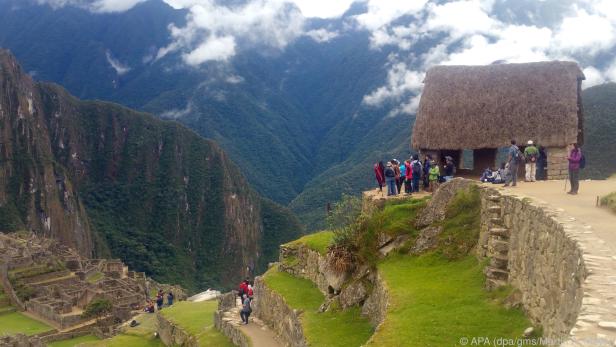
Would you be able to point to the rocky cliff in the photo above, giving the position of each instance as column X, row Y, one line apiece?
column 108, row 180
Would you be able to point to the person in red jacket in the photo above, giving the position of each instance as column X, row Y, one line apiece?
column 408, row 177
column 379, row 173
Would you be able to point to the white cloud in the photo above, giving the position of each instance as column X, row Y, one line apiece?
column 593, row 77
column 323, row 8
column 214, row 48
column 322, row 35
column 98, row 6
column 383, row 12
column 120, row 68
column 586, row 32
column 267, row 23
column 177, row 113
column 400, row 82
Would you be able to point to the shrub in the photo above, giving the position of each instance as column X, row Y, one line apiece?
column 97, row 308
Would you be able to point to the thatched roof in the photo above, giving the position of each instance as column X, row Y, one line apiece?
column 468, row 107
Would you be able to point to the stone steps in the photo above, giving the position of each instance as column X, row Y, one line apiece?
column 497, row 274
column 500, row 232
column 494, row 209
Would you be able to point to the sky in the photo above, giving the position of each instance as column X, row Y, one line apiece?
column 467, row 32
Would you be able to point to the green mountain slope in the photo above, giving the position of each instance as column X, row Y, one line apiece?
column 599, row 128
column 111, row 181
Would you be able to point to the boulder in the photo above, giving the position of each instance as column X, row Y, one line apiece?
column 435, row 210
column 427, row 239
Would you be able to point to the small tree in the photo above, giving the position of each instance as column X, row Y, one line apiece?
column 343, row 221
column 97, row 308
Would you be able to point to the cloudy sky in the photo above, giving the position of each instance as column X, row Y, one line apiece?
column 465, row 32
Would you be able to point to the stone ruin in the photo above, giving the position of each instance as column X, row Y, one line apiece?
column 56, row 284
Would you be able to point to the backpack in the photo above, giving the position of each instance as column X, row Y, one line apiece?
column 416, row 168
column 517, row 155
column 582, row 161
column 389, row 172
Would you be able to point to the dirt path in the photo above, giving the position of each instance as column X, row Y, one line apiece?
column 260, row 335
column 582, row 207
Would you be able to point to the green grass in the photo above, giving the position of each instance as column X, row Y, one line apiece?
column 95, row 277
column 13, row 323
column 73, row 342
column 329, row 329
column 140, row 336
column 318, row 241
column 435, row 302
column 197, row 318
column 609, row 201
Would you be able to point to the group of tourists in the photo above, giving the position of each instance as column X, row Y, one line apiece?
column 149, row 306
column 246, row 295
column 412, row 173
column 395, row 175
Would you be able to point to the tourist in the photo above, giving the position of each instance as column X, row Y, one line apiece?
column 408, row 177
column 416, row 168
column 542, row 161
column 487, row 176
column 246, row 309
column 390, row 179
column 396, row 167
column 379, row 173
column 402, row 167
column 250, row 292
column 433, row 176
column 149, row 306
column 513, row 158
column 243, row 289
column 170, row 298
column 449, row 168
column 426, row 171
column 531, row 153
column 574, row 158
column 500, row 175
column 159, row 299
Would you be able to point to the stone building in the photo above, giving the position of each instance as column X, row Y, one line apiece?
column 481, row 108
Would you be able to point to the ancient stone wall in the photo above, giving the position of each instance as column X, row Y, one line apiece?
column 271, row 308
column 172, row 335
column 557, row 163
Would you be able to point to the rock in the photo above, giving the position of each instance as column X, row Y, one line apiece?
column 393, row 245
column 353, row 294
column 383, row 239
column 427, row 239
column 529, row 331
column 435, row 210
column 607, row 325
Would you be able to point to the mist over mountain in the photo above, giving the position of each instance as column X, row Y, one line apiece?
column 302, row 96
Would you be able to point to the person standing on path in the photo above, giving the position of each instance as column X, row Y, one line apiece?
column 390, row 179
column 513, row 158
column 160, row 299
column 574, row 158
column 246, row 309
column 531, row 154
column 396, row 165
column 416, row 169
column 434, row 174
column 170, row 298
column 542, row 160
column 243, row 289
column 379, row 174
column 408, row 177
column 450, row 169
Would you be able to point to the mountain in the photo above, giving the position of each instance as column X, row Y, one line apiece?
column 110, row 181
column 599, row 129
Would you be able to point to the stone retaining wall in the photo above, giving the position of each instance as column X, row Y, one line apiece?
column 544, row 263
column 172, row 335
column 271, row 308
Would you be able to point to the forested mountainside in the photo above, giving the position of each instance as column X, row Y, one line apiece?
column 110, row 181
column 600, row 127
column 293, row 120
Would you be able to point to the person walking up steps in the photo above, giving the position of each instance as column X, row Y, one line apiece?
column 390, row 179
column 531, row 154
column 246, row 309
column 243, row 289
column 513, row 158
column 379, row 174
column 576, row 161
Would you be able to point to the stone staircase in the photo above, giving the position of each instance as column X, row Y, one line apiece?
column 497, row 271
column 255, row 334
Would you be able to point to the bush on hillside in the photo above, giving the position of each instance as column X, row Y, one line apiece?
column 97, row 308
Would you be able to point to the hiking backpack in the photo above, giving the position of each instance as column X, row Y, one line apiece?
column 416, row 168
column 582, row 161
column 389, row 172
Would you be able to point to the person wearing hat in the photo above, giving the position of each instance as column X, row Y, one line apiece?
column 531, row 154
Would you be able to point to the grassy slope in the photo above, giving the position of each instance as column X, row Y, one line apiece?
column 434, row 302
column 609, row 201
column 73, row 342
column 350, row 328
column 16, row 322
column 197, row 318
column 140, row 336
column 318, row 241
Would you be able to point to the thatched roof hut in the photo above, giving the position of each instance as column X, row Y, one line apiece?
column 472, row 107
